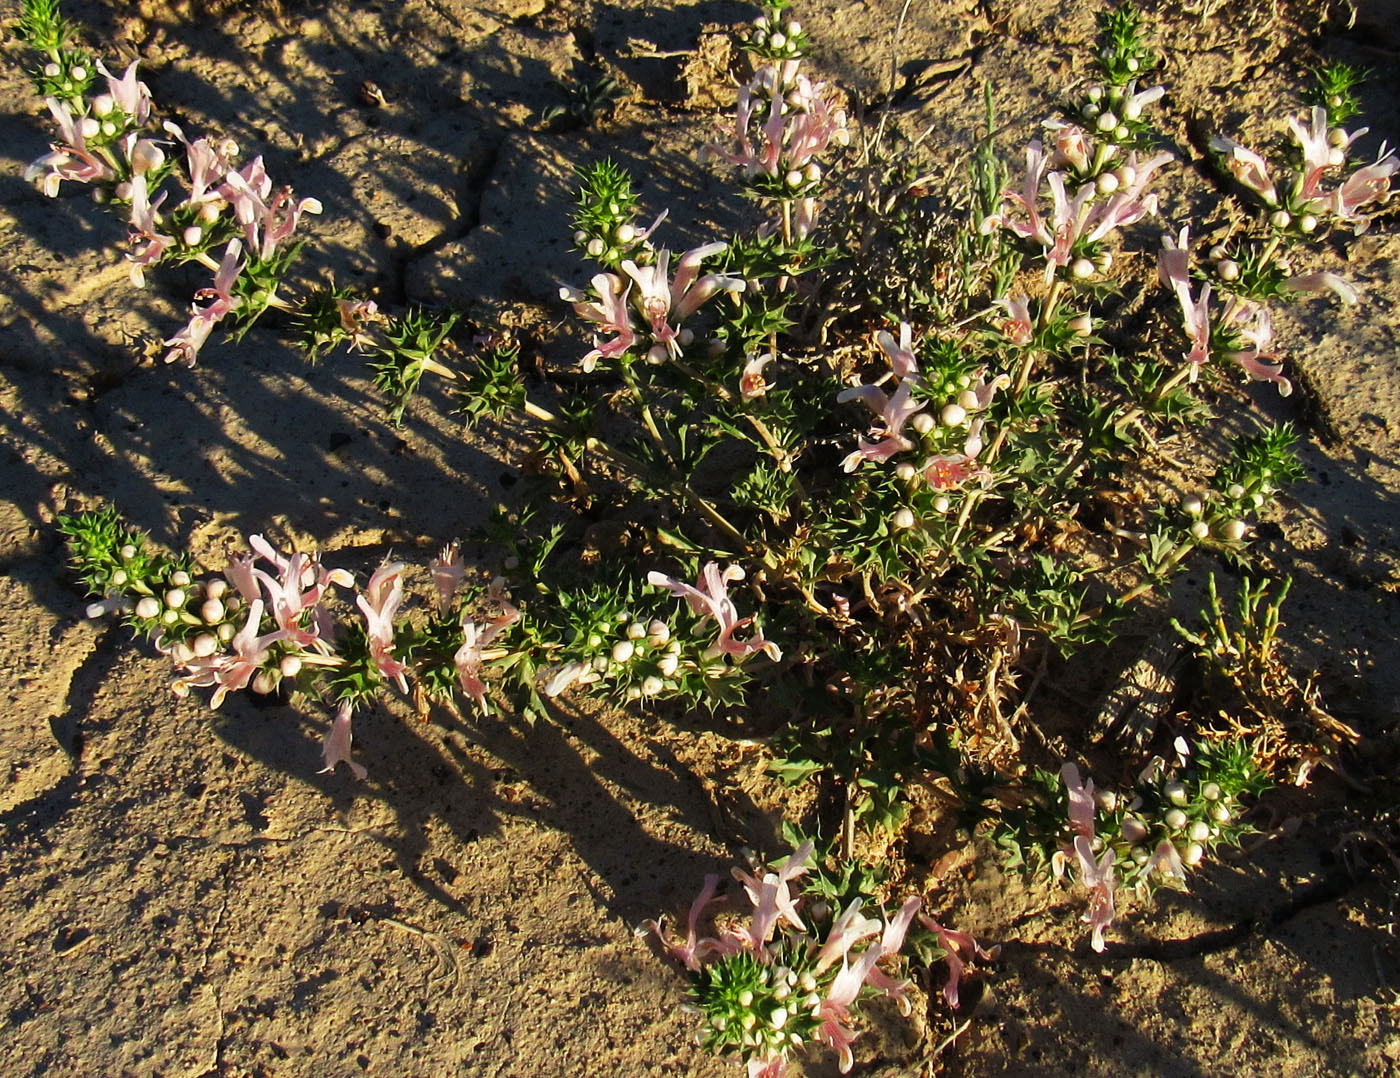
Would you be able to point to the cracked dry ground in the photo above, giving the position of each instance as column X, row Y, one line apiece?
column 183, row 894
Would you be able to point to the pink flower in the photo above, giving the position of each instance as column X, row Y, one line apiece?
column 1081, row 801
column 947, row 471
column 1173, row 269
column 186, row 344
column 835, row 1010
column 903, row 361
column 145, row 231
column 1322, row 282
column 1027, row 199
column 894, row 411
column 772, row 900
column 132, row 96
column 469, row 656
column 1364, row 186
column 336, row 747
column 712, row 599
column 959, row 948
column 661, row 299
column 1099, row 878
column 266, row 224
column 232, row 672
column 691, row 951
column 379, row 603
column 1248, row 323
column 752, row 384
column 1316, row 154
column 70, row 158
column 1251, row 170
column 849, row 928
column 609, row 311
column 447, row 570
column 1018, row 327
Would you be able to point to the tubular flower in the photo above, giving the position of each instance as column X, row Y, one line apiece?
column 609, row 312
column 186, row 344
column 336, row 747
column 476, row 637
column 712, row 598
column 379, row 603
column 1251, row 170
column 70, row 158
column 660, row 299
column 959, row 948
column 1363, row 187
column 1173, row 270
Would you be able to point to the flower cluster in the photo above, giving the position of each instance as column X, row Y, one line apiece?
column 105, row 141
column 783, row 124
column 793, row 973
column 940, row 408
column 1303, row 200
column 1169, row 823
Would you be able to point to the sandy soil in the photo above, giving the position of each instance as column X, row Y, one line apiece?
column 183, row 893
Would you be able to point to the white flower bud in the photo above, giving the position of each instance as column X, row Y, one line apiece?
column 1104, row 262
column 204, row 645
column 1106, row 121
column 812, row 172
column 1193, row 854
column 1090, row 110
column 777, row 40
column 209, row 212
column 1191, row 505
column 905, row 471
column 1133, row 63
column 1280, row 219
column 623, row 651
column 652, row 685
column 1336, row 157
column 1082, row 325
column 1132, row 110
column 1094, row 93
column 1200, row 530
column 595, row 247
column 102, row 104
column 181, row 652
column 212, row 611
column 148, row 607
column 224, row 632
column 78, row 73
column 922, row 422
column 903, row 519
column 668, row 665
column 170, row 617
column 1081, row 268
column 794, row 178
column 1228, row 269
column 1140, row 855
column 1134, row 830
column 636, row 631
column 580, row 237
column 953, row 415
column 1234, row 530
column 1235, row 490
column 778, row 1018
column 625, row 233
column 263, row 683
column 290, row 666
column 1176, row 819
column 1121, row 133
column 600, row 664
column 89, row 127
column 1200, row 831
column 746, row 998
column 1176, row 793
column 51, row 69
column 119, row 577
column 941, row 503
column 1220, row 813
column 657, row 354
column 175, row 598
column 1106, row 184
column 1211, row 791
column 1307, row 223
column 192, row 235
